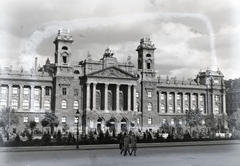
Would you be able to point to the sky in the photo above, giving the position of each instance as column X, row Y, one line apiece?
column 190, row 35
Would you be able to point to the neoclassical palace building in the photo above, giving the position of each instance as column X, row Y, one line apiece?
column 107, row 92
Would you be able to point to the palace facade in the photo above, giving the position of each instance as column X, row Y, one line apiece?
column 107, row 92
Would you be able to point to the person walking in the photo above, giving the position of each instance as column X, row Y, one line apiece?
column 126, row 145
column 121, row 143
column 134, row 144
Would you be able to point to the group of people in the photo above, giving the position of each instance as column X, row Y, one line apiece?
column 124, row 143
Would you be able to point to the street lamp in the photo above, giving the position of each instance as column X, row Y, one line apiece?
column 77, row 117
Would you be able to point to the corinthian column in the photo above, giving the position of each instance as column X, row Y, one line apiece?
column 106, row 98
column 134, row 98
column 117, row 97
column 21, row 98
column 94, row 96
column 88, row 97
column 32, row 98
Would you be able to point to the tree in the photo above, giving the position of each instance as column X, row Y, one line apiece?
column 234, row 121
column 52, row 120
column 211, row 124
column 32, row 125
column 8, row 113
column 178, row 126
column 194, row 119
column 8, row 117
column 44, row 123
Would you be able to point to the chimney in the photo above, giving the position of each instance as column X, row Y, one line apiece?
column 35, row 63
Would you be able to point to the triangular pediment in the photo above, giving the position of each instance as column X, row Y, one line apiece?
column 112, row 72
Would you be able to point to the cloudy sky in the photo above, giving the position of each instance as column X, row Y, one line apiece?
column 189, row 34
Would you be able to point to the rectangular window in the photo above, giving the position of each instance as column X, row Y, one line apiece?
column 178, row 97
column 25, row 104
column 137, row 94
column 36, row 119
column 75, row 105
column 162, row 108
column 217, row 98
column 3, row 90
column 3, row 103
column 64, row 119
column 76, row 118
column 194, row 98
column 25, row 91
column 149, row 94
column 36, row 91
column 172, row 122
column 186, row 97
column 162, row 96
column 164, row 121
column 138, row 120
column 15, row 104
column 14, row 90
column 217, row 109
column 170, row 107
column 149, row 120
column 36, row 105
column 25, row 119
column 201, row 98
column 64, row 91
column 47, row 92
column 170, row 97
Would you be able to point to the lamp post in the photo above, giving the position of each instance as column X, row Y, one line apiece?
column 77, row 115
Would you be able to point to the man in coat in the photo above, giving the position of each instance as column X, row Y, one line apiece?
column 126, row 142
column 134, row 144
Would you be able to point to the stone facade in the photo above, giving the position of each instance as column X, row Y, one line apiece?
column 232, row 95
column 109, row 92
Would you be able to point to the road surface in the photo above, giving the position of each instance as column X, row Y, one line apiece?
column 206, row 155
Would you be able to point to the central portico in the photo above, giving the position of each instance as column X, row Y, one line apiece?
column 109, row 93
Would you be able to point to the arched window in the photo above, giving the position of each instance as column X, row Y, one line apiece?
column 3, row 103
column 149, row 106
column 75, row 105
column 149, row 62
column 137, row 107
column 98, row 100
column 109, row 101
column 36, row 105
column 25, row 104
column 15, row 104
column 76, row 72
column 47, row 105
column 148, row 55
column 64, row 104
column 64, row 48
column 121, row 101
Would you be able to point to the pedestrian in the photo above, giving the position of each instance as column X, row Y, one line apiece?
column 126, row 142
column 134, row 144
column 121, row 144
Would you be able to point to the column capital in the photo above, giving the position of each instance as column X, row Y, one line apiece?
column 10, row 85
column 32, row 86
column 43, row 86
column 21, row 86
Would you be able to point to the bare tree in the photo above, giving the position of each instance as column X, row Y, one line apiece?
column 194, row 119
